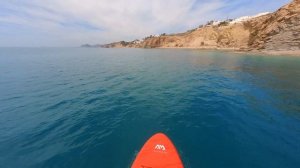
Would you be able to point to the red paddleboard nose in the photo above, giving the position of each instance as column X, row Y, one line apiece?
column 158, row 152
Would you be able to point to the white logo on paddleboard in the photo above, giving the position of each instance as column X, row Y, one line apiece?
column 160, row 147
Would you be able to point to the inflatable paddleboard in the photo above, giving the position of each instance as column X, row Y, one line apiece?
column 158, row 152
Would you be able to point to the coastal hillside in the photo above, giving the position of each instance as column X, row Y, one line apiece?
column 279, row 30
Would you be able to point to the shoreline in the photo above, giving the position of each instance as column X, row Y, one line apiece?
column 237, row 50
column 295, row 53
column 274, row 33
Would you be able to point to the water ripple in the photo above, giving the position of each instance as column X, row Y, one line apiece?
column 95, row 108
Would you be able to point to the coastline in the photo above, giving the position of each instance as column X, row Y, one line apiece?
column 295, row 53
column 275, row 33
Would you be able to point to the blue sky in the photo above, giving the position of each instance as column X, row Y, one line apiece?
column 75, row 22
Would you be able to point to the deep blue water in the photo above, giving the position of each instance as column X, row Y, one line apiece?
column 94, row 108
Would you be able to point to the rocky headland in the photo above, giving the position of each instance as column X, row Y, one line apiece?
column 277, row 32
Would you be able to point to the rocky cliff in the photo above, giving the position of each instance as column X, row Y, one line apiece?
column 279, row 30
column 209, row 36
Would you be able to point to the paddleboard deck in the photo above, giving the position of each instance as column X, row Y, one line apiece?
column 158, row 152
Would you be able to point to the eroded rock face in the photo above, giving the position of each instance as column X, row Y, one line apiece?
column 277, row 31
column 229, row 36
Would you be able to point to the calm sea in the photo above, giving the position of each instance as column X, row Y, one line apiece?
column 95, row 108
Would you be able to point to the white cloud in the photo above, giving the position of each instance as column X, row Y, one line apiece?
column 116, row 19
column 72, row 22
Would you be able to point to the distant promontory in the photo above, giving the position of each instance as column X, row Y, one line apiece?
column 277, row 32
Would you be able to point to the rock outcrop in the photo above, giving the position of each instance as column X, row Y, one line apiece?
column 233, row 36
column 268, row 31
column 210, row 36
column 277, row 31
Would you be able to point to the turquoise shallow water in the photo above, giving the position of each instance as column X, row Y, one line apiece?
column 77, row 107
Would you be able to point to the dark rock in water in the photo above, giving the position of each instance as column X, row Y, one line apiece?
column 91, row 46
column 86, row 45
